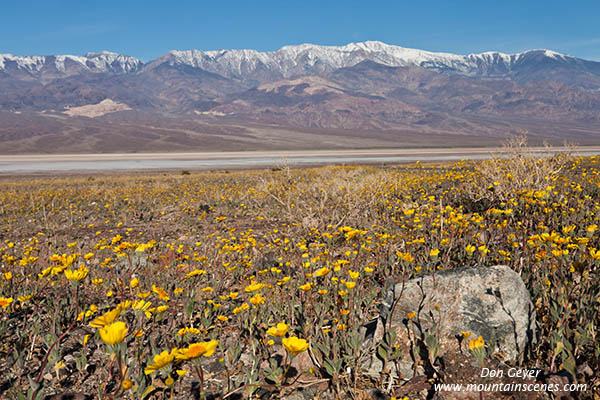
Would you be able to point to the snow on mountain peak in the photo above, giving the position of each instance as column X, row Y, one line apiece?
column 103, row 61
column 287, row 62
column 555, row 55
column 294, row 60
column 27, row 62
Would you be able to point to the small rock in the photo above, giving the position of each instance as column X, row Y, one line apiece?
column 69, row 359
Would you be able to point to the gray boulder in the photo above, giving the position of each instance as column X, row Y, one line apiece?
column 489, row 301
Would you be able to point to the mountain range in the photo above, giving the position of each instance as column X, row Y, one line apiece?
column 368, row 94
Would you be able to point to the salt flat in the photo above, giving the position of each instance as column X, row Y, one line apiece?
column 48, row 163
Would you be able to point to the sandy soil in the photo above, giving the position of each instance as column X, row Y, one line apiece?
column 106, row 106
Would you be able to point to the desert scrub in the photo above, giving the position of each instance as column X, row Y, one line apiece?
column 519, row 167
column 226, row 266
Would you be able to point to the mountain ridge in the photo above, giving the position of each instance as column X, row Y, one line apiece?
column 232, row 62
column 301, row 95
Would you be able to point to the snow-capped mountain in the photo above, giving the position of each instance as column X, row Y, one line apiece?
column 309, row 59
column 253, row 67
column 351, row 91
column 56, row 66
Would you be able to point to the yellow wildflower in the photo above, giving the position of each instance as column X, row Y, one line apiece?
column 253, row 287
column 106, row 319
column 476, row 343
column 114, row 333
column 141, row 305
column 279, row 330
column 322, row 272
column 195, row 273
column 257, row 299
column 161, row 293
column 241, row 308
column 5, row 302
column 161, row 360
column 195, row 350
column 23, row 299
column 294, row 345
column 76, row 275
column 191, row 331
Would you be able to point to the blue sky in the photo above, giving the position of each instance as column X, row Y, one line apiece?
column 147, row 29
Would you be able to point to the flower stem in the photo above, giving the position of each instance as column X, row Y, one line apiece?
column 200, row 374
